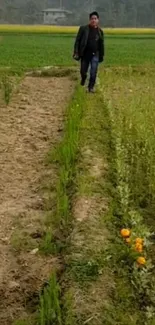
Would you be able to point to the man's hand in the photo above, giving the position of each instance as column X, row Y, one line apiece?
column 101, row 60
column 76, row 57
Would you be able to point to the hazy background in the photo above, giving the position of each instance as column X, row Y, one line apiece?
column 114, row 13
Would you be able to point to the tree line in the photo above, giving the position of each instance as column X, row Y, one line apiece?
column 113, row 13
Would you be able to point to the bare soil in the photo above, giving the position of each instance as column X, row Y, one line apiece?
column 29, row 127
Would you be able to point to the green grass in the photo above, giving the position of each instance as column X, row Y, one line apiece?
column 50, row 310
column 7, row 86
column 65, row 156
column 31, row 51
column 130, row 107
column 98, row 273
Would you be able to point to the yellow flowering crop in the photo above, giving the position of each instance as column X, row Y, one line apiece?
column 69, row 29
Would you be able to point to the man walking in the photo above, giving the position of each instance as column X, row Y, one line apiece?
column 89, row 48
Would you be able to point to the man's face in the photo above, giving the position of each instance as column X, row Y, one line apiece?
column 94, row 21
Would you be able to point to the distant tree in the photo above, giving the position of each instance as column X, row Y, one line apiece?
column 114, row 13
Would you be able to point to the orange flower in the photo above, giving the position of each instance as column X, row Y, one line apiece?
column 139, row 241
column 128, row 240
column 141, row 260
column 125, row 233
column 139, row 248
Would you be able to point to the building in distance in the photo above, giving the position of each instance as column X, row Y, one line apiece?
column 53, row 16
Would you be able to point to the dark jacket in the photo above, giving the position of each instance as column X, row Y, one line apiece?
column 81, row 42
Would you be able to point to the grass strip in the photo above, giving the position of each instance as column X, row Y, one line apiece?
column 65, row 155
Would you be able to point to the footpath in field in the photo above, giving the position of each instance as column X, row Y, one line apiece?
column 90, row 282
column 31, row 125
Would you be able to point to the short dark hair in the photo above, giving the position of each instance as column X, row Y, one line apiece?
column 94, row 13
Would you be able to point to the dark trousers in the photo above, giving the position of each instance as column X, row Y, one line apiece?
column 93, row 62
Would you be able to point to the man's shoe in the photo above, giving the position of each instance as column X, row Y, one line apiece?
column 83, row 82
column 91, row 90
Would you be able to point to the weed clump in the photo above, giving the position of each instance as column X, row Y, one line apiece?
column 7, row 87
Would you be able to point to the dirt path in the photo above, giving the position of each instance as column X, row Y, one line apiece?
column 90, row 281
column 29, row 127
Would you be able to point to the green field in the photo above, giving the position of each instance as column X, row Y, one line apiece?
column 100, row 180
column 32, row 51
